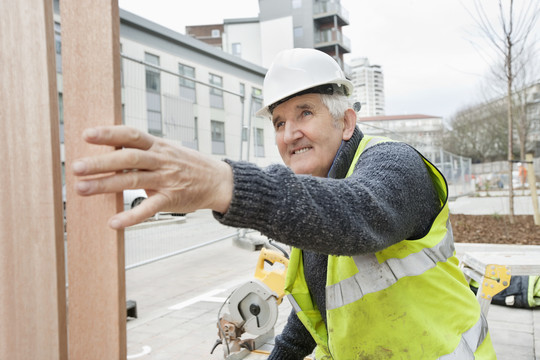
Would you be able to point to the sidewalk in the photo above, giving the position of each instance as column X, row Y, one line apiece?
column 495, row 203
column 178, row 300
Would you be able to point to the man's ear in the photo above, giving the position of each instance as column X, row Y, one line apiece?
column 349, row 123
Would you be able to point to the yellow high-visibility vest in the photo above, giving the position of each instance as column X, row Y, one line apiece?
column 408, row 301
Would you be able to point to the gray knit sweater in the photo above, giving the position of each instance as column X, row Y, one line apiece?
column 388, row 198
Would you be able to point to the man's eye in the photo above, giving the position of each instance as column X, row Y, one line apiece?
column 279, row 124
column 306, row 113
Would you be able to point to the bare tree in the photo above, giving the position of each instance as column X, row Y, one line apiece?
column 508, row 37
column 478, row 132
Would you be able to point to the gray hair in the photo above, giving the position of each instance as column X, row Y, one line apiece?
column 337, row 104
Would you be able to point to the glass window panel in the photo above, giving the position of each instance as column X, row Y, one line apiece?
column 256, row 100
column 237, row 49
column 216, row 95
column 154, row 122
column 259, row 142
column 218, row 137
column 189, row 72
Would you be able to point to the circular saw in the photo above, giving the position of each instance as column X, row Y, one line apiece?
column 253, row 307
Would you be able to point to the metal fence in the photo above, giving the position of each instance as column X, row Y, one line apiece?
column 165, row 236
column 494, row 175
column 456, row 169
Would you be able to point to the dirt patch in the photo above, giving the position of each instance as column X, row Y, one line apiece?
column 495, row 229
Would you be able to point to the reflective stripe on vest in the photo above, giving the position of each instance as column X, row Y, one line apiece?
column 373, row 277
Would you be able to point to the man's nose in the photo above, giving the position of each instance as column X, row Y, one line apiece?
column 292, row 132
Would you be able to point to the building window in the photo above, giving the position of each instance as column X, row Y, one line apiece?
column 242, row 89
column 215, row 33
column 218, row 137
column 216, row 94
column 153, row 95
column 259, row 142
column 187, row 86
column 237, row 49
column 298, row 31
column 196, row 135
column 61, row 115
column 325, row 35
column 121, row 67
column 58, row 47
column 189, row 134
column 256, row 100
column 296, row 4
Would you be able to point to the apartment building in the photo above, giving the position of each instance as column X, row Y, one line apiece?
column 189, row 92
column 368, row 82
column 281, row 25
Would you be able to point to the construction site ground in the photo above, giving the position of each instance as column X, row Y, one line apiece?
column 495, row 229
column 484, row 218
column 179, row 298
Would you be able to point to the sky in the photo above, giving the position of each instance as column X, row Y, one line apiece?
column 431, row 52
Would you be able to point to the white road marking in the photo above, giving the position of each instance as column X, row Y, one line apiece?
column 209, row 296
column 146, row 350
column 203, row 297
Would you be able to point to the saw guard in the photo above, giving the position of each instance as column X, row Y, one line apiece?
column 274, row 279
column 254, row 293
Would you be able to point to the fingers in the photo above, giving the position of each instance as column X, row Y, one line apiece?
column 138, row 214
column 118, row 136
column 175, row 178
column 126, row 159
column 116, row 183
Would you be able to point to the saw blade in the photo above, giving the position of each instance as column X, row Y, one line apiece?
column 254, row 305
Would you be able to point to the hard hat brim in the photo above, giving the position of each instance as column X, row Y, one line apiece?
column 347, row 86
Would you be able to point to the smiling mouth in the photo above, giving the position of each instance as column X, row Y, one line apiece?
column 301, row 151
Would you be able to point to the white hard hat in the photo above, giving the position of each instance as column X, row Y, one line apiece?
column 296, row 70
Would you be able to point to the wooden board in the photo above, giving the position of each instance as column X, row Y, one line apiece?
column 521, row 263
column 32, row 271
column 96, row 274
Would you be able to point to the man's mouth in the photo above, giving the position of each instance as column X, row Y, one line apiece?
column 301, row 151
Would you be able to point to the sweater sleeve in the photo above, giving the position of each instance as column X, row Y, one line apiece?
column 388, row 198
column 294, row 342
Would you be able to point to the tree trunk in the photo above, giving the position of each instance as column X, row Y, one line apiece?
column 510, row 130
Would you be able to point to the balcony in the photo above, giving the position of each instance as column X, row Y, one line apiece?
column 325, row 11
column 326, row 40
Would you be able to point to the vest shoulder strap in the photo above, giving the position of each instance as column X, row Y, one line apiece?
column 366, row 142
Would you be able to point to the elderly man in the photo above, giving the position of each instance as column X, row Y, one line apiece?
column 372, row 272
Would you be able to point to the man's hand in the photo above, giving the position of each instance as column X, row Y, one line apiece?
column 176, row 179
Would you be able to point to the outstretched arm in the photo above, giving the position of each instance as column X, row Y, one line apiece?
column 175, row 178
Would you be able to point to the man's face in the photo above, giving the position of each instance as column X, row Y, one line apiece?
column 306, row 134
